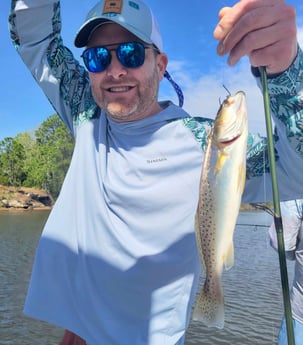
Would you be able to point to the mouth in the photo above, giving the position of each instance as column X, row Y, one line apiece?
column 119, row 89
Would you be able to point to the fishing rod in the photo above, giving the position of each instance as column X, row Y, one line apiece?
column 277, row 211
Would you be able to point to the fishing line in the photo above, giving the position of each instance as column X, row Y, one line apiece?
column 277, row 211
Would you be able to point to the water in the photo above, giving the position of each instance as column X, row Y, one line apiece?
column 19, row 234
column 252, row 289
column 253, row 297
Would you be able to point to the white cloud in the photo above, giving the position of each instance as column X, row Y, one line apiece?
column 203, row 95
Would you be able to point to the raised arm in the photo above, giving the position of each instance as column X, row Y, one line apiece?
column 35, row 27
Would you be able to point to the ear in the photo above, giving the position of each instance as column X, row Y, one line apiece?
column 162, row 62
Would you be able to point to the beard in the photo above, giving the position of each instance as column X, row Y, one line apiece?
column 141, row 105
column 119, row 111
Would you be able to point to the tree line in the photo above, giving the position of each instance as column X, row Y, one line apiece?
column 38, row 160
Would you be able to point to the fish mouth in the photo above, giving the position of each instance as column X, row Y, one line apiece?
column 226, row 142
column 231, row 120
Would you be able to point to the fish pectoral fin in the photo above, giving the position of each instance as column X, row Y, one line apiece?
column 229, row 259
column 241, row 178
column 220, row 161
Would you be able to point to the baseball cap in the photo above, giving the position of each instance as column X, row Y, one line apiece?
column 134, row 15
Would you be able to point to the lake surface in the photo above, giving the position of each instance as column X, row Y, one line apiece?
column 252, row 288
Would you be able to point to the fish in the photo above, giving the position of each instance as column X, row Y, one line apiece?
column 222, row 182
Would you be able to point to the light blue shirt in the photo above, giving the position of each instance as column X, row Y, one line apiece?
column 119, row 245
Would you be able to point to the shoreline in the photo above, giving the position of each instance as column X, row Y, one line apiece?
column 20, row 209
column 24, row 199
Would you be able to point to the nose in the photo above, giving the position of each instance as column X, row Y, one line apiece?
column 115, row 69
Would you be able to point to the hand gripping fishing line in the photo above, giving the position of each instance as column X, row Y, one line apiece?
column 277, row 211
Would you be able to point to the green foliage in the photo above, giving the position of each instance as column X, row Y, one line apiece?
column 40, row 161
column 11, row 162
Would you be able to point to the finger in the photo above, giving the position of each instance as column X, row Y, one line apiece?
column 228, row 18
column 262, row 40
column 223, row 12
column 258, row 25
column 250, row 25
column 262, row 47
column 275, row 58
column 271, row 58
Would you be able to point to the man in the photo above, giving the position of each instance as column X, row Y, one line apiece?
column 292, row 218
column 117, row 261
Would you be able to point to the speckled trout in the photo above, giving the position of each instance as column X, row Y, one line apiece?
column 221, row 187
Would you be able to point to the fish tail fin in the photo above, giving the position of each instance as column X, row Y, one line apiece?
column 209, row 307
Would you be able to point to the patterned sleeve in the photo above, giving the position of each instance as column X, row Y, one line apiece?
column 286, row 101
column 35, row 28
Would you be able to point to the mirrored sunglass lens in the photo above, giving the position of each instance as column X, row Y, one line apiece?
column 96, row 59
column 131, row 55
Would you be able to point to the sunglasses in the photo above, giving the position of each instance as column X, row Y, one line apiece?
column 129, row 54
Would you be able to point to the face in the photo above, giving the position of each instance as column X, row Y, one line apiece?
column 126, row 94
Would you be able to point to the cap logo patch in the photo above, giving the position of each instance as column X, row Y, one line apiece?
column 112, row 6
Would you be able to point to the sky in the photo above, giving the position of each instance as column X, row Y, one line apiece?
column 187, row 32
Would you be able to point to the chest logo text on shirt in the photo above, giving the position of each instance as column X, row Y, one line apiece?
column 156, row 160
